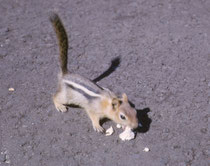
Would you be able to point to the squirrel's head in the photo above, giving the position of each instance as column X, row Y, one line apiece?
column 125, row 115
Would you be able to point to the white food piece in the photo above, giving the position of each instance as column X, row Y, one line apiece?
column 127, row 134
column 119, row 126
column 11, row 89
column 146, row 149
column 109, row 131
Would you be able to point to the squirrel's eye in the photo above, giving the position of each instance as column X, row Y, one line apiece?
column 122, row 117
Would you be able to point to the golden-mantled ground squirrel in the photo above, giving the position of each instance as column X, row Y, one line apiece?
column 74, row 89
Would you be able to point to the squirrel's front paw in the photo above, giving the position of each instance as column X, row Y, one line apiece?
column 99, row 129
column 61, row 107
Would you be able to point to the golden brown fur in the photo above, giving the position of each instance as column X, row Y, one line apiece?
column 74, row 89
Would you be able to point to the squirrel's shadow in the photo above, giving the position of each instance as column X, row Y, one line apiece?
column 143, row 118
column 114, row 64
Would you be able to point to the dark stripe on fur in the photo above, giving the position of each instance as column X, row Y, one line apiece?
column 90, row 88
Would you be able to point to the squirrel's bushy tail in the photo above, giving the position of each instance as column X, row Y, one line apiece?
column 62, row 41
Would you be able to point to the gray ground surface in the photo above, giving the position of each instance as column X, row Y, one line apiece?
column 165, row 60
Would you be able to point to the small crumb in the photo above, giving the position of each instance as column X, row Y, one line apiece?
column 11, row 89
column 119, row 126
column 146, row 149
column 109, row 131
column 7, row 161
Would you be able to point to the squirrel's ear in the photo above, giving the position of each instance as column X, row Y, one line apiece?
column 124, row 97
column 115, row 103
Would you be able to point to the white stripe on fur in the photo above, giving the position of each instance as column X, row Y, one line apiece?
column 90, row 93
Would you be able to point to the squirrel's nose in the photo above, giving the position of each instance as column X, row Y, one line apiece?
column 136, row 125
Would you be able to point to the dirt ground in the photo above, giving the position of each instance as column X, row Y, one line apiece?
column 164, row 67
